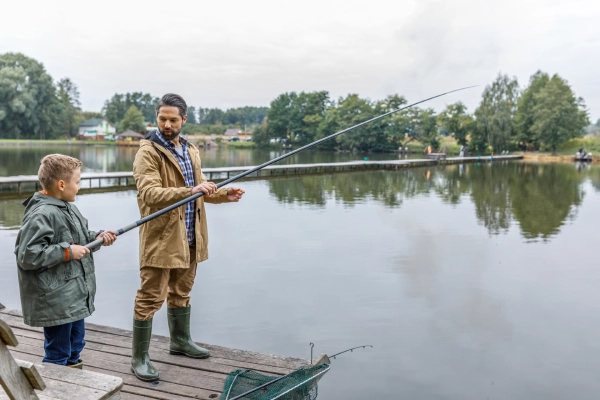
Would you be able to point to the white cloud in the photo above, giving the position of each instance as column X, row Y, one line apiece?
column 235, row 53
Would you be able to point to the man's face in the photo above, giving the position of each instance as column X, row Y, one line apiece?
column 170, row 122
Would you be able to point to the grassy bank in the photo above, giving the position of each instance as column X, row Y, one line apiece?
column 239, row 145
column 588, row 144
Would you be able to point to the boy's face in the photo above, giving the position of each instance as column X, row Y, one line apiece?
column 70, row 187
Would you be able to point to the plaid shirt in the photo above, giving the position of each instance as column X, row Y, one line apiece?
column 187, row 168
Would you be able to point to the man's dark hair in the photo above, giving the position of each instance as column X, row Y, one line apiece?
column 172, row 100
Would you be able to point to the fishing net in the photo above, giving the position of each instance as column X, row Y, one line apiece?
column 298, row 385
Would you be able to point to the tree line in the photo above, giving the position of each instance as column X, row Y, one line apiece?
column 132, row 110
column 34, row 106
column 542, row 115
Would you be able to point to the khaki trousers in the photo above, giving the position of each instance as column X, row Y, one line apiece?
column 158, row 284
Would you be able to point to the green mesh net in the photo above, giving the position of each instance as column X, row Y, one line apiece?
column 298, row 385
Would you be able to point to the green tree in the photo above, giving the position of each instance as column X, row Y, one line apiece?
column 114, row 109
column 28, row 102
column 133, row 120
column 259, row 136
column 351, row 111
column 421, row 125
column 279, row 116
column 211, row 116
column 307, row 112
column 191, row 115
column 68, row 96
column 524, row 115
column 456, row 120
column 387, row 134
column 557, row 115
column 494, row 118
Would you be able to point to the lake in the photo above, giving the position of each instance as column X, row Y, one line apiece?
column 471, row 281
column 25, row 160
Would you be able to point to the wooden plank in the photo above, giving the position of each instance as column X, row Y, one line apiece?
column 97, row 381
column 65, row 390
column 6, row 334
column 12, row 380
column 32, row 374
column 179, row 383
column 134, row 393
column 108, row 351
column 122, row 338
column 132, row 384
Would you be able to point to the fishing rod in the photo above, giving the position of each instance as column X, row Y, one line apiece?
column 180, row 203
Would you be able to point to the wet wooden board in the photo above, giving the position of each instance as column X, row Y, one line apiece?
column 108, row 351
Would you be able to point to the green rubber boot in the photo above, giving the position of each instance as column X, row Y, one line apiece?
column 179, row 327
column 140, row 360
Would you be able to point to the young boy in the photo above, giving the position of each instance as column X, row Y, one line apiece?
column 56, row 272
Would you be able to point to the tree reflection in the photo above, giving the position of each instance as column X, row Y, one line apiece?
column 490, row 195
column 11, row 214
column 543, row 196
column 388, row 188
column 540, row 197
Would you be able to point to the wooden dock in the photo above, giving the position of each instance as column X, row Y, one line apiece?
column 108, row 351
column 17, row 184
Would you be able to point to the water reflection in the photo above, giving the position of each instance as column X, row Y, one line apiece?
column 540, row 197
column 25, row 160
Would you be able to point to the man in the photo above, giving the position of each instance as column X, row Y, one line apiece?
column 167, row 170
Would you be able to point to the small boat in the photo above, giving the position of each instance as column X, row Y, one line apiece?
column 583, row 157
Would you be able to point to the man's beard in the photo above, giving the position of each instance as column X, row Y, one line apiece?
column 171, row 135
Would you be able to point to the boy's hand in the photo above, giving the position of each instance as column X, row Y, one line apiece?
column 234, row 194
column 79, row 251
column 108, row 236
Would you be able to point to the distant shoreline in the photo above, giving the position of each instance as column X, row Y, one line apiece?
column 40, row 142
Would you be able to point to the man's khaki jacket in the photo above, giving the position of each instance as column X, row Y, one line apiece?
column 160, row 183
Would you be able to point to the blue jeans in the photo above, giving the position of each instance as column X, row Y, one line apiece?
column 63, row 343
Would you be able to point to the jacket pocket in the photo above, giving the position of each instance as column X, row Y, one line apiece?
column 169, row 224
column 68, row 299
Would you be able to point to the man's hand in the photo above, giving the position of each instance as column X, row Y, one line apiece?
column 108, row 236
column 234, row 194
column 207, row 188
column 79, row 251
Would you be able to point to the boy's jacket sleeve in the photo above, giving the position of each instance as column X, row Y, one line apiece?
column 35, row 250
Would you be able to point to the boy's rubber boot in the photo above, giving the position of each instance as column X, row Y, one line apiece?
column 78, row 364
column 140, row 359
column 179, row 328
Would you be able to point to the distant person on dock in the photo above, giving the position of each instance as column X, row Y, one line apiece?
column 56, row 272
column 166, row 170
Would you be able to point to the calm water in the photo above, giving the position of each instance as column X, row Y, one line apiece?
column 25, row 160
column 471, row 282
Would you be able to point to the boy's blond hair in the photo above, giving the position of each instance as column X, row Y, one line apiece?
column 56, row 167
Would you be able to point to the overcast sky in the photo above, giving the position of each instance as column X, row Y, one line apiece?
column 236, row 53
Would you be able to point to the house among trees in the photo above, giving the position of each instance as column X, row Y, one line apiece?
column 130, row 135
column 95, row 129
column 237, row 132
column 232, row 132
column 129, row 138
